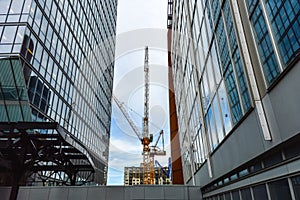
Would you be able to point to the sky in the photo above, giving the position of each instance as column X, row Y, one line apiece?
column 139, row 23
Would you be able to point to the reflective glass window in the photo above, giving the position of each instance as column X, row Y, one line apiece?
column 296, row 186
column 236, row 195
column 233, row 96
column 225, row 112
column 284, row 17
column 265, row 48
column 218, row 119
column 246, row 194
column 260, row 192
column 280, row 190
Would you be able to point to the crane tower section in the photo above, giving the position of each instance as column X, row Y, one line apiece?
column 148, row 161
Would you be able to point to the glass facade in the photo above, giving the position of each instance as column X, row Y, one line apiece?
column 212, row 86
column 56, row 64
column 218, row 72
column 284, row 22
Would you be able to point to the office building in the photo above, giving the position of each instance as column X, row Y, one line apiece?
column 235, row 70
column 56, row 65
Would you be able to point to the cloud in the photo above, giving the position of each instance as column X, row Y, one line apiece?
column 137, row 14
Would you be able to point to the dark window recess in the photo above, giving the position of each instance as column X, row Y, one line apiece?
column 272, row 160
column 221, row 197
column 38, row 94
column 246, row 194
column 280, row 190
column 260, row 192
column 235, row 195
column 256, row 167
column 296, row 186
column 292, row 151
column 227, row 196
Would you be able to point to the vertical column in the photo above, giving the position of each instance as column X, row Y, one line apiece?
column 250, row 72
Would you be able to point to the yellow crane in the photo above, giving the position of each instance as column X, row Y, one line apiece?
column 148, row 151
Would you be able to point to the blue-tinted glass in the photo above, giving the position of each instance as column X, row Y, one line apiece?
column 242, row 81
column 236, row 57
column 233, row 95
column 223, row 46
column 229, row 26
column 265, row 48
column 251, row 4
column 284, row 17
column 215, row 5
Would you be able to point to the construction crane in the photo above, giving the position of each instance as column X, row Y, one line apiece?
column 165, row 175
column 148, row 151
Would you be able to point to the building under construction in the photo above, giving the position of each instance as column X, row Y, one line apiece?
column 134, row 176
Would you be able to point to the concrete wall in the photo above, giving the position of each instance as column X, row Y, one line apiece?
column 105, row 193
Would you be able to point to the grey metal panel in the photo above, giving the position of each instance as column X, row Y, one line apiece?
column 109, row 193
column 201, row 177
column 96, row 193
column 116, row 192
column 175, row 192
column 58, row 193
column 194, row 193
column 154, row 192
column 272, row 122
column 134, row 192
column 294, row 166
column 39, row 193
column 285, row 99
column 78, row 193
column 245, row 143
column 23, row 193
column 5, row 192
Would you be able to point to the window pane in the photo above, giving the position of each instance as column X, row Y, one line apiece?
column 246, row 194
column 260, row 192
column 227, row 196
column 9, row 34
column 233, row 96
column 4, row 5
column 224, row 108
column 14, row 113
column 296, row 186
column 285, row 23
column 219, row 123
column 265, row 48
column 236, row 195
column 280, row 190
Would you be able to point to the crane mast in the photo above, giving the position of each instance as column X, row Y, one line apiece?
column 148, row 160
column 146, row 98
column 148, row 151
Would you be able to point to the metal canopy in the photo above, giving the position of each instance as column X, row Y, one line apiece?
column 42, row 153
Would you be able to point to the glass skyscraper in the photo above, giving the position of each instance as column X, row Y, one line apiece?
column 56, row 65
column 235, row 69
